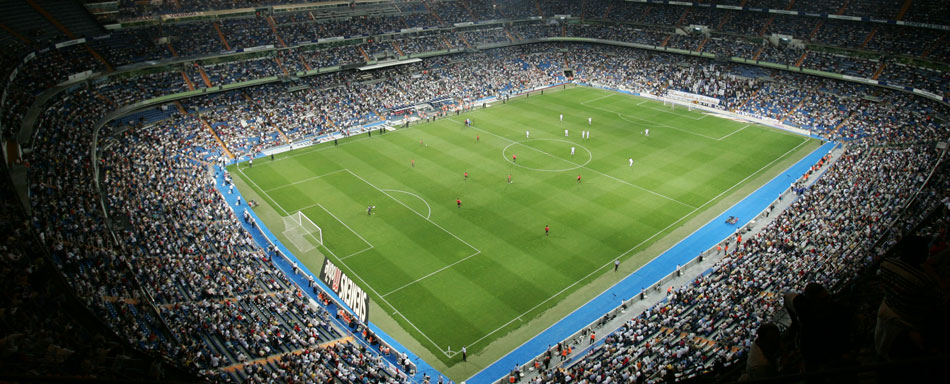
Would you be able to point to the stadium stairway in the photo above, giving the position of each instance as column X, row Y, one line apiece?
column 72, row 16
column 723, row 21
column 181, row 108
column 766, row 26
column 868, row 38
column 757, row 54
column 844, row 7
column 683, row 16
column 12, row 34
column 280, row 65
column 273, row 28
column 814, row 31
column 217, row 28
column 216, row 138
column 801, row 59
column 20, row 17
column 435, row 15
column 52, row 20
column 904, row 8
column 305, row 64
column 702, row 44
column 204, row 76
column 467, row 10
column 937, row 44
column 880, row 69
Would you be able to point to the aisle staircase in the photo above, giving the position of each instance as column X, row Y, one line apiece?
column 814, row 31
column 432, row 11
column 904, row 8
column 879, row 71
column 793, row 110
column 305, row 64
column 62, row 28
column 191, row 86
column 216, row 137
column 701, row 45
column 767, row 25
column 798, row 63
column 844, row 6
column 273, row 28
column 937, row 44
column 15, row 34
column 217, row 27
column 204, row 76
column 280, row 65
column 868, row 39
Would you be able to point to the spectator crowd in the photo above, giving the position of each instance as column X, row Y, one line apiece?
column 141, row 230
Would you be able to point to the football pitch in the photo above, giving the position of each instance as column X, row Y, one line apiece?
column 453, row 276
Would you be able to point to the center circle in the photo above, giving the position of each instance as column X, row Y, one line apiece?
column 507, row 155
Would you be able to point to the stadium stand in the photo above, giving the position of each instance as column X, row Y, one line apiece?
column 170, row 270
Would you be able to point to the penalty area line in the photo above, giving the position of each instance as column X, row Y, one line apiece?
column 610, row 263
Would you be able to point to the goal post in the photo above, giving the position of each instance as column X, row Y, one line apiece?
column 298, row 227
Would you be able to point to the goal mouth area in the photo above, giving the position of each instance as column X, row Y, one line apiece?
column 302, row 232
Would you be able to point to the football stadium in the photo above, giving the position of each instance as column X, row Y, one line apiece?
column 475, row 191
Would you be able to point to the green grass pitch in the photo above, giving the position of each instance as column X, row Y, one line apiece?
column 454, row 277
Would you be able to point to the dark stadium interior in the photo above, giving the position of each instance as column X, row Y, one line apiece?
column 122, row 261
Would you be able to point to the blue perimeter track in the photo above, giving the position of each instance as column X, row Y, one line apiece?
column 687, row 249
column 702, row 239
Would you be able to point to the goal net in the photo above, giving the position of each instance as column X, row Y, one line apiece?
column 302, row 232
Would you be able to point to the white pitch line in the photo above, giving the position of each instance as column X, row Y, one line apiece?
column 356, row 253
column 371, row 246
column 652, row 123
column 432, row 273
column 344, row 224
column 677, row 114
column 416, row 196
column 599, row 98
column 451, row 354
column 413, row 211
column 585, row 167
column 641, row 243
column 250, row 180
column 304, row 180
column 353, row 272
column 734, row 132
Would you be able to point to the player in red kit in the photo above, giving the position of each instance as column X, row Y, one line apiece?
column 546, row 230
column 514, row 158
column 458, row 202
column 578, row 178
